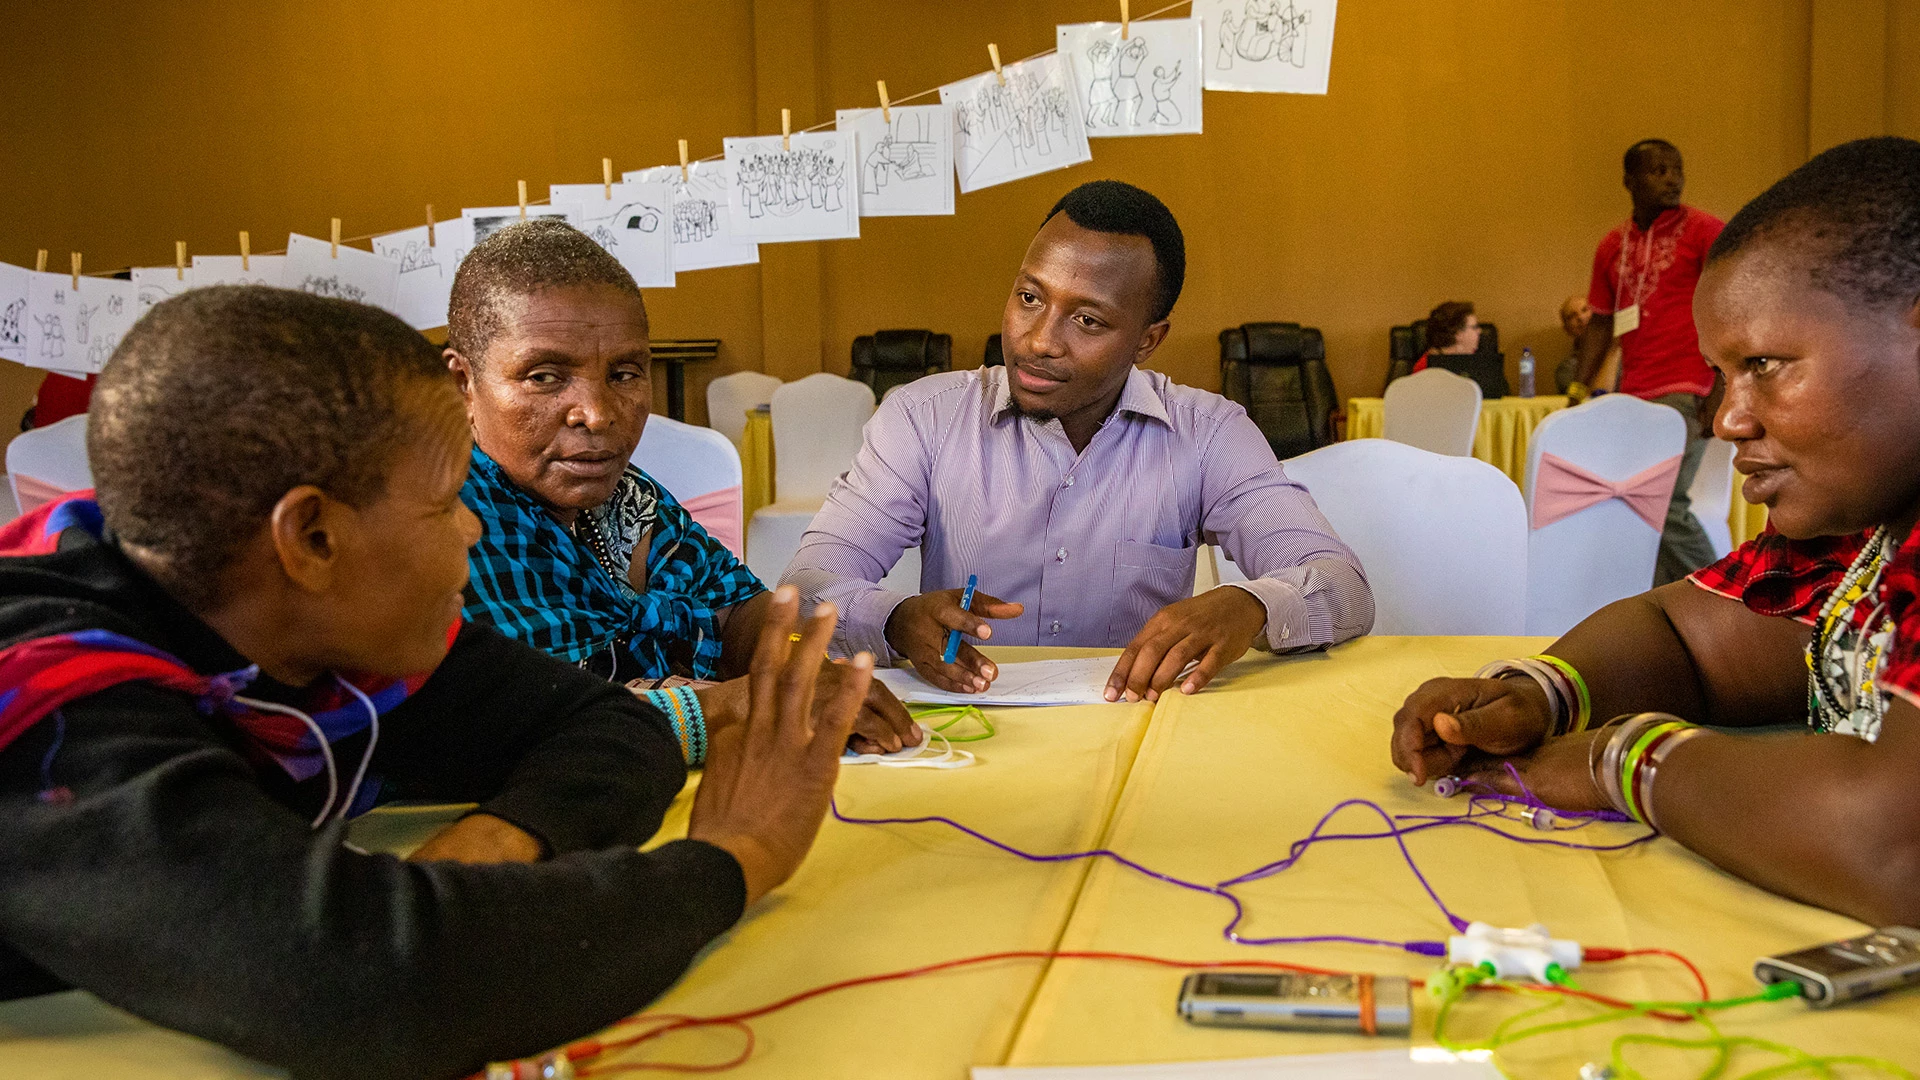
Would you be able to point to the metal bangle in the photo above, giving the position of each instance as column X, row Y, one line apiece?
column 1651, row 769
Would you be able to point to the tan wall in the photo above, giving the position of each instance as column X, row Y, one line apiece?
column 1468, row 149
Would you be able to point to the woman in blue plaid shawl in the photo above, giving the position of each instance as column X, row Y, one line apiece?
column 582, row 554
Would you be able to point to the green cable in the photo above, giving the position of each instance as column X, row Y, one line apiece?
column 957, row 713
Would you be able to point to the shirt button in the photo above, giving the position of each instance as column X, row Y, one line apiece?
column 1069, row 481
column 1055, row 628
column 1060, row 556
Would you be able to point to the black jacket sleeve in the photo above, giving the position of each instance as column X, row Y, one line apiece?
column 172, row 886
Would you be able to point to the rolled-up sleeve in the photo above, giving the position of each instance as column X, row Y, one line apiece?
column 874, row 512
column 1311, row 583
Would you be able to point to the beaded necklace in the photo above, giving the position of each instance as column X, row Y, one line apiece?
column 1844, row 658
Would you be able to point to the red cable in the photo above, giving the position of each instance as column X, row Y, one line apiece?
column 1699, row 980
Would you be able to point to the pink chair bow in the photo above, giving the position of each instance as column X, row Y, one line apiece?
column 1562, row 489
column 718, row 512
column 35, row 493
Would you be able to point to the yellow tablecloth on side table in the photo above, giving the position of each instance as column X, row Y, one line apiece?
column 756, row 462
column 869, row 899
column 1228, row 778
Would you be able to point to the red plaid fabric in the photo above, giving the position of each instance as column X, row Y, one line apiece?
column 1791, row 579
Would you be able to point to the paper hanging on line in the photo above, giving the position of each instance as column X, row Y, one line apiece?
column 1028, row 125
column 797, row 193
column 905, row 165
column 630, row 219
column 152, row 284
column 1081, row 681
column 1421, row 1064
column 702, row 236
column 427, row 264
column 488, row 220
column 1269, row 46
column 1146, row 83
column 13, row 312
column 228, row 270
column 314, row 266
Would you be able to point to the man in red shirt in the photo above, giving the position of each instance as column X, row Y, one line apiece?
column 1642, row 294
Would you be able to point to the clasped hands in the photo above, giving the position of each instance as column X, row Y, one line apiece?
column 1208, row 632
column 1474, row 728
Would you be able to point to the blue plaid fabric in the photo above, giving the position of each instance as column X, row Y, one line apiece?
column 539, row 582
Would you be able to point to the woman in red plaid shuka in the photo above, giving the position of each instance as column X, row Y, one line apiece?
column 1809, row 309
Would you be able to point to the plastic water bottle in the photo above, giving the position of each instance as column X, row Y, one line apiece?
column 1526, row 372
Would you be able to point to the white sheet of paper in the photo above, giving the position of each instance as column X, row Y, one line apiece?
column 1145, row 84
column 488, row 220
column 633, row 225
column 1355, row 1065
column 1034, row 682
column 226, row 270
column 13, row 312
column 426, row 269
column 350, row 274
column 1029, row 126
column 1271, row 46
column 1626, row 320
column 77, row 330
column 152, row 284
column 702, row 236
column 802, row 193
column 905, row 167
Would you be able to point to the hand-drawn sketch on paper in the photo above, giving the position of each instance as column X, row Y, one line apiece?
column 227, row 270
column 427, row 261
column 1028, row 126
column 801, row 192
column 1276, row 46
column 701, row 236
column 488, row 220
column 13, row 312
column 152, row 284
column 631, row 223
column 906, row 166
column 1147, row 83
column 350, row 274
column 103, row 311
column 50, row 308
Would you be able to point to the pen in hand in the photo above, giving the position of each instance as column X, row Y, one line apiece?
column 953, row 636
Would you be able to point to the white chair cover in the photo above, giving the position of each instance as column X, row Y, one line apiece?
column 47, row 461
column 817, row 424
column 1587, row 560
column 1711, row 496
column 1434, row 410
column 731, row 397
column 1443, row 539
column 701, row 468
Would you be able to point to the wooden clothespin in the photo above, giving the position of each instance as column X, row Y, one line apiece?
column 246, row 250
column 684, row 178
column 76, row 271
column 523, row 200
column 430, row 240
column 606, row 176
column 786, row 130
column 40, row 262
column 994, row 52
column 886, row 107
column 336, row 238
column 179, row 260
column 1124, row 20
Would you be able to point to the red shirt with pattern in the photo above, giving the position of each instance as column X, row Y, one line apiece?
column 1657, row 268
column 1792, row 579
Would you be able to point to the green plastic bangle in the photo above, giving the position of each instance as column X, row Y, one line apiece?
column 1632, row 765
column 1580, row 685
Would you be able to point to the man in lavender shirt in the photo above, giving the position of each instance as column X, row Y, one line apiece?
column 1078, row 487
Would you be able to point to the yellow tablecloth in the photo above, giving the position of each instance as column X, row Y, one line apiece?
column 1506, row 425
column 1205, row 787
column 756, row 462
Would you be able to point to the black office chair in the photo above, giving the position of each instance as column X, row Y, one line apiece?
column 1278, row 371
column 885, row 359
column 994, row 357
column 1486, row 365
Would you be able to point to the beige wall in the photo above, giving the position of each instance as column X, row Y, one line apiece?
column 1468, row 149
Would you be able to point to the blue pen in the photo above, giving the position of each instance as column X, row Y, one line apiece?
column 966, row 604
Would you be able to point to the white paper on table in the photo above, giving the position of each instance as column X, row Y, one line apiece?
column 488, row 220
column 1147, row 83
column 632, row 224
column 226, row 270
column 1081, row 681
column 152, row 284
column 427, row 264
column 1272, row 46
column 702, row 236
column 13, row 312
column 314, row 266
column 1357, row 1065
column 904, row 167
column 1029, row 126
column 784, row 194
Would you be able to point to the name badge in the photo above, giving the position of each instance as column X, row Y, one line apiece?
column 1626, row 320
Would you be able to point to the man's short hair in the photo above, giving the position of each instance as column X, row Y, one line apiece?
column 522, row 258
column 1631, row 159
column 1445, row 322
column 221, row 400
column 1858, row 207
column 1111, row 206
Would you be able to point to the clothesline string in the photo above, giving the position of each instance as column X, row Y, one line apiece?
column 822, row 126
